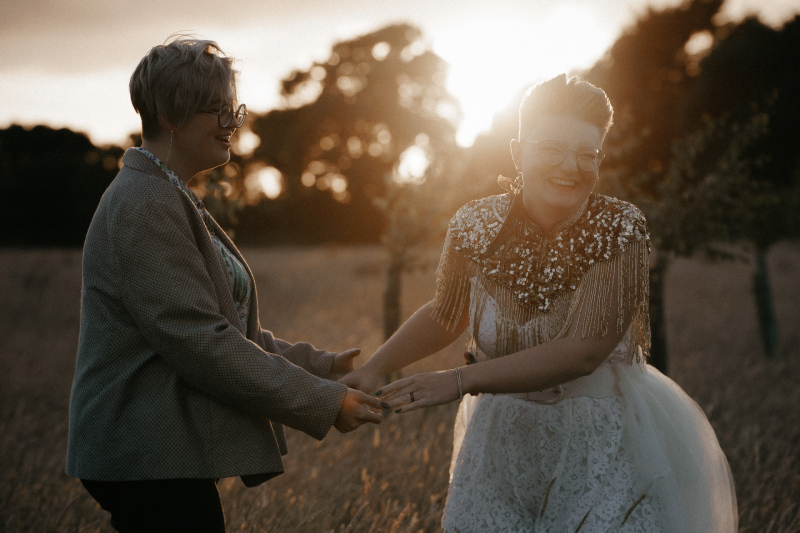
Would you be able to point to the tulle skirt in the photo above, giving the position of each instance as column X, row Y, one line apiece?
column 644, row 460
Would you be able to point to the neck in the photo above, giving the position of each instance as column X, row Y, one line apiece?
column 164, row 149
column 547, row 218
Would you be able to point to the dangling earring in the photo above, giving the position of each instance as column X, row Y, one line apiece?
column 511, row 185
column 169, row 152
column 518, row 183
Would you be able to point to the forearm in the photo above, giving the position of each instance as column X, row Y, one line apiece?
column 538, row 368
column 302, row 354
column 416, row 339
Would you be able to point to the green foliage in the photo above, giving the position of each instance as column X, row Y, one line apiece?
column 700, row 208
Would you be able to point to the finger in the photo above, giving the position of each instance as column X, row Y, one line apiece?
column 418, row 404
column 351, row 353
column 401, row 395
column 369, row 400
column 370, row 416
column 393, row 386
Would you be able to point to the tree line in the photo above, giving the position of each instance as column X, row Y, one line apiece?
column 704, row 142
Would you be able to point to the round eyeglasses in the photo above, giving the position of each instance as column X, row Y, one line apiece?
column 554, row 152
column 226, row 115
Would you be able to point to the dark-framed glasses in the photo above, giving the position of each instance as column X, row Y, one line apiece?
column 227, row 116
column 554, row 152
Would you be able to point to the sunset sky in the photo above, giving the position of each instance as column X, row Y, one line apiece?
column 67, row 63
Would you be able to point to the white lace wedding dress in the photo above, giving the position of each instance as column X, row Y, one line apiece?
column 644, row 460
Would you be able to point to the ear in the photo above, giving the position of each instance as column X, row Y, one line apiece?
column 168, row 126
column 516, row 153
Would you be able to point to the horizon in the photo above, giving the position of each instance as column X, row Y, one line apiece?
column 51, row 83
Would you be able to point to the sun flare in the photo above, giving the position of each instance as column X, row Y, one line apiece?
column 492, row 59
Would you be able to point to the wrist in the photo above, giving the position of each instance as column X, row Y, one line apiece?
column 459, row 384
column 467, row 379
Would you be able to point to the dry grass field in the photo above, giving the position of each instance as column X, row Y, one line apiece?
column 392, row 477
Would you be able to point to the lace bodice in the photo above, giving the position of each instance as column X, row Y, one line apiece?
column 484, row 332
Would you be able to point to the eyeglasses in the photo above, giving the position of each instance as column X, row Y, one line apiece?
column 554, row 152
column 226, row 115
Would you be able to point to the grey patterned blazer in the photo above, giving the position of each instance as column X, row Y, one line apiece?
column 166, row 384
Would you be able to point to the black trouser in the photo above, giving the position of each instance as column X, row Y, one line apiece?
column 160, row 505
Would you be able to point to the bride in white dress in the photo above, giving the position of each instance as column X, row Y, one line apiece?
column 562, row 425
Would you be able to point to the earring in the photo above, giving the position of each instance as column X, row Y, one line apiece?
column 517, row 184
column 511, row 185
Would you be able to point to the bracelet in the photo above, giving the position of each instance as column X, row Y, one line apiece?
column 458, row 378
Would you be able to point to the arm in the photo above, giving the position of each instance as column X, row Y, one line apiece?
column 537, row 368
column 416, row 339
column 532, row 369
column 171, row 298
column 321, row 363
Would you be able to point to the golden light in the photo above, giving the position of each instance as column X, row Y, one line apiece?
column 700, row 42
column 265, row 180
column 413, row 164
column 492, row 59
column 245, row 142
column 381, row 50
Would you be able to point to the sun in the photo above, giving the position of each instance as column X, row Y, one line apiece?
column 492, row 59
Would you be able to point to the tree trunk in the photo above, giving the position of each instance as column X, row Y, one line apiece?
column 391, row 296
column 391, row 301
column 658, row 333
column 767, row 325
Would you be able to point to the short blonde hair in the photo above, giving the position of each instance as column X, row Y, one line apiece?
column 175, row 80
column 566, row 96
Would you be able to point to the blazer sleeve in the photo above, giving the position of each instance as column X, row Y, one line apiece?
column 302, row 354
column 169, row 293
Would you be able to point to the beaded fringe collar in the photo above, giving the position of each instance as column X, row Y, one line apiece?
column 596, row 257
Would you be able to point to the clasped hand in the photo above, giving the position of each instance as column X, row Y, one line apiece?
column 423, row 390
column 407, row 394
column 358, row 407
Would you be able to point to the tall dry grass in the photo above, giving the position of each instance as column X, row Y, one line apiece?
column 391, row 477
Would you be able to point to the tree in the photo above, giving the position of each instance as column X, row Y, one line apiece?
column 749, row 78
column 706, row 137
column 365, row 145
column 346, row 124
column 52, row 181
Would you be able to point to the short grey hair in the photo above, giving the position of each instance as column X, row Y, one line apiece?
column 177, row 79
column 566, row 96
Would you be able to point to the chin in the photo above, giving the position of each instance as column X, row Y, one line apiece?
column 571, row 201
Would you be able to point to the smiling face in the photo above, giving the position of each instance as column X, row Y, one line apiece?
column 554, row 192
column 200, row 145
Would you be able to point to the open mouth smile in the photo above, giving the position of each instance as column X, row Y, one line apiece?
column 563, row 183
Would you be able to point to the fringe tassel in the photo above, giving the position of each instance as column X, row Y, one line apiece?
column 452, row 287
column 592, row 302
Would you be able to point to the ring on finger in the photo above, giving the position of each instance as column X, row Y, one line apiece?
column 412, row 396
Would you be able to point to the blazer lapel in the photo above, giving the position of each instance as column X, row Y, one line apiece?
column 253, row 322
column 138, row 161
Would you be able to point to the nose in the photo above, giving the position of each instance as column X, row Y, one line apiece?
column 570, row 161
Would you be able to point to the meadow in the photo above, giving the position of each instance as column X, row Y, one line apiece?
column 392, row 477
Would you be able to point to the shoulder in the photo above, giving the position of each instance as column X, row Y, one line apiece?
column 621, row 218
column 483, row 212
column 476, row 223
column 136, row 191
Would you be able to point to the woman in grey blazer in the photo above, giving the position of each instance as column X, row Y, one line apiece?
column 176, row 384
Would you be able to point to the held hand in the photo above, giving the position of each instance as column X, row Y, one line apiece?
column 422, row 390
column 362, row 379
column 358, row 408
column 343, row 363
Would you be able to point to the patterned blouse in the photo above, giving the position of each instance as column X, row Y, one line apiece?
column 241, row 287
